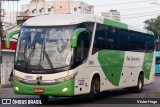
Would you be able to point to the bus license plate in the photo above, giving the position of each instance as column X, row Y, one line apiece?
column 38, row 90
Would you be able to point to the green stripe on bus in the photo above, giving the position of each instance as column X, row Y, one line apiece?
column 55, row 90
column 147, row 64
column 112, row 63
column 115, row 23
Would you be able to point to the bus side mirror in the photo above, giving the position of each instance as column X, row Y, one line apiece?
column 75, row 35
column 8, row 36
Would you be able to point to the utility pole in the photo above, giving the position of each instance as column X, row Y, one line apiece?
column 1, row 16
column 1, row 33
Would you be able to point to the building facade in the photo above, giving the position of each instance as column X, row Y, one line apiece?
column 113, row 14
column 39, row 7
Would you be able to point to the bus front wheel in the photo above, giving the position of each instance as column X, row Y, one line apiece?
column 44, row 99
column 95, row 87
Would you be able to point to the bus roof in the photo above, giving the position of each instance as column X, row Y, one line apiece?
column 68, row 19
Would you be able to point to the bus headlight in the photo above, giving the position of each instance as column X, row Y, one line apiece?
column 16, row 88
column 64, row 89
column 63, row 79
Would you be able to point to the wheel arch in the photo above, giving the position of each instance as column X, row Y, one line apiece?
column 96, row 74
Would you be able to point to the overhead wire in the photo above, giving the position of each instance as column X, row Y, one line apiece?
column 132, row 9
column 140, row 13
column 121, row 3
column 139, row 16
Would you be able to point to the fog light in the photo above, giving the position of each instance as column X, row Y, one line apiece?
column 17, row 88
column 64, row 89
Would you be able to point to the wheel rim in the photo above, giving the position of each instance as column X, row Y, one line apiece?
column 140, row 84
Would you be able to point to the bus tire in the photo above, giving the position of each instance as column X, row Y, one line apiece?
column 95, row 87
column 139, row 87
column 44, row 99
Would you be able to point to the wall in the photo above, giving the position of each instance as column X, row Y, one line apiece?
column 49, row 5
column 77, row 5
column 62, row 7
column 58, row 7
column 6, row 66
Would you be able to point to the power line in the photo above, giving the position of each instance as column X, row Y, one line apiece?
column 129, row 9
column 139, row 16
column 141, row 13
column 138, row 8
column 121, row 3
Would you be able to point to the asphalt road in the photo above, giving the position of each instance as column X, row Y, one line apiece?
column 105, row 99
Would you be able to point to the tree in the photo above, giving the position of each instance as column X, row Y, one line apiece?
column 153, row 25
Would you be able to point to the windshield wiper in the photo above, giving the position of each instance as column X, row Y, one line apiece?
column 28, row 39
column 31, row 52
column 47, row 56
column 48, row 59
column 32, row 48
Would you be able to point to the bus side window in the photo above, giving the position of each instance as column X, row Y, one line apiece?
column 123, row 39
column 133, row 41
column 100, row 39
column 111, row 38
column 141, row 42
column 149, row 43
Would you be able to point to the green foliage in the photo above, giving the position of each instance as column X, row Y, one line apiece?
column 153, row 25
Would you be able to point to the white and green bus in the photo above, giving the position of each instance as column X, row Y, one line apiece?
column 80, row 54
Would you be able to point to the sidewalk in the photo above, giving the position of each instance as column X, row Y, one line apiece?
column 6, row 92
column 6, row 86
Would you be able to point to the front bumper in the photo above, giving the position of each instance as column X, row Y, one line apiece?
column 53, row 90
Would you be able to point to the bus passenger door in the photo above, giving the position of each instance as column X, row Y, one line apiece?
column 81, row 52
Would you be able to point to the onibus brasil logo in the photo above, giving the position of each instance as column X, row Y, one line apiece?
column 20, row 101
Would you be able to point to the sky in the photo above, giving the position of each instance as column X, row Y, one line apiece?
column 133, row 12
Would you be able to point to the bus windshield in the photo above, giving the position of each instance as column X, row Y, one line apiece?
column 42, row 48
